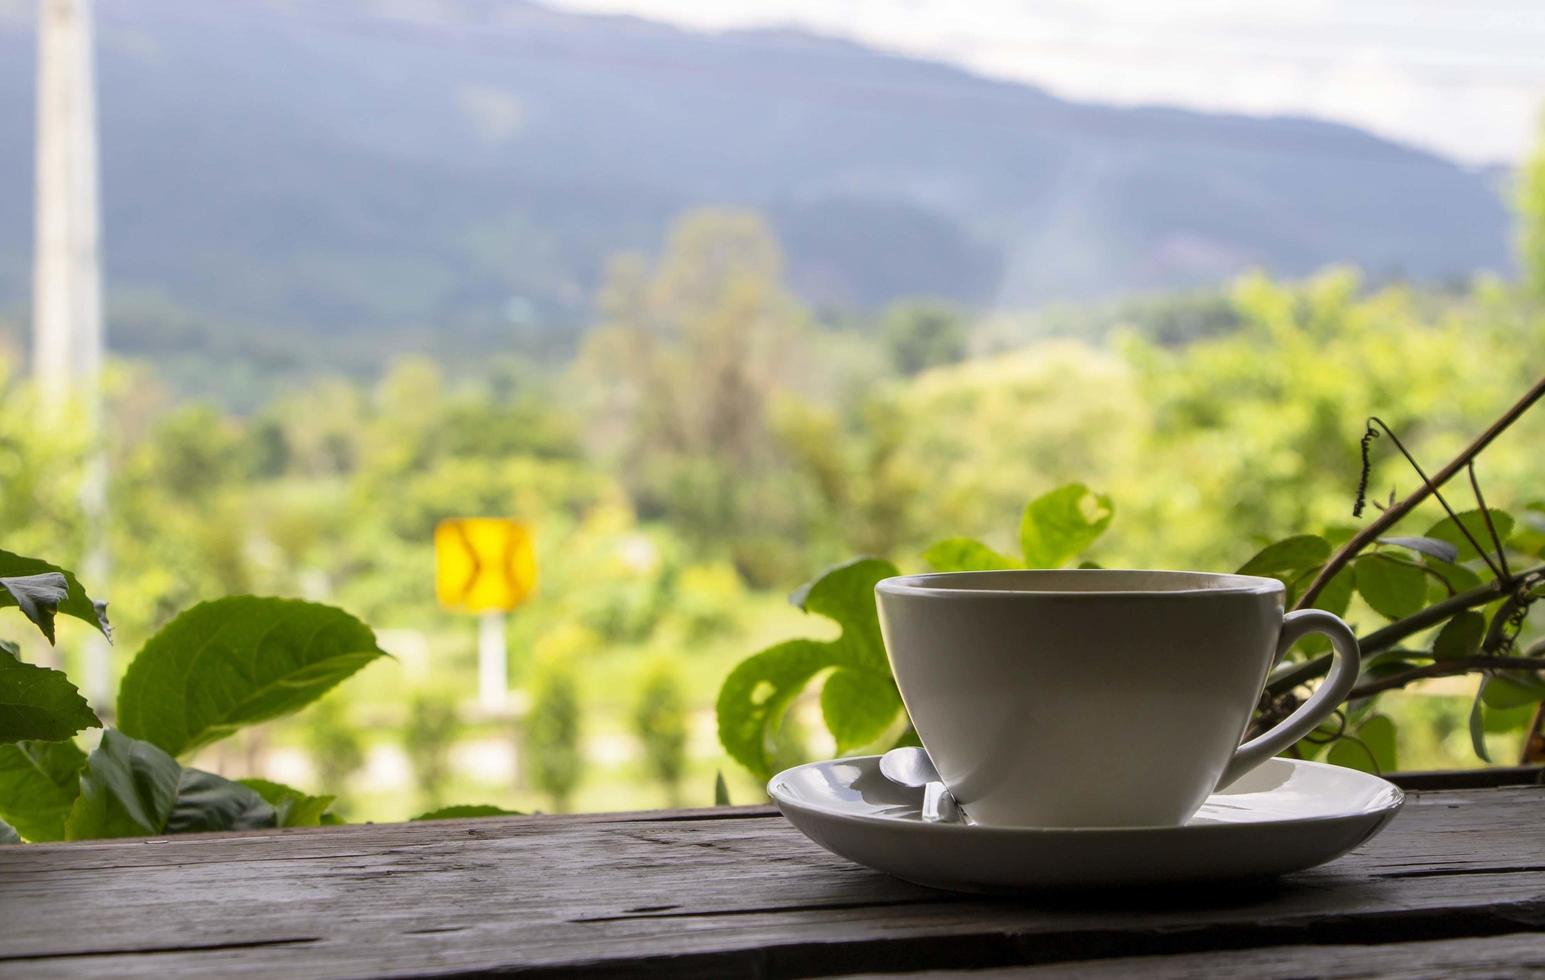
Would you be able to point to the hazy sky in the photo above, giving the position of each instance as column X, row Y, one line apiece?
column 1463, row 77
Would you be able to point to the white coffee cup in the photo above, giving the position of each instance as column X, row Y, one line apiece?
column 1096, row 697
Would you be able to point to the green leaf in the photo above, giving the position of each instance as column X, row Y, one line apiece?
column 37, row 702
column 207, row 802
column 754, row 698
column 1509, row 721
column 1513, row 689
column 1460, row 636
column 1443, row 551
column 465, row 811
column 1529, row 537
column 8, row 834
column 1058, row 526
column 236, row 661
column 37, row 596
column 1393, row 588
column 1288, row 555
column 721, row 792
column 845, row 594
column 1371, row 748
column 1475, row 523
column 1337, row 594
column 857, row 708
column 1478, row 722
column 127, row 789
column 965, row 555
column 76, row 602
column 292, row 807
column 38, row 784
column 1457, row 577
column 756, row 695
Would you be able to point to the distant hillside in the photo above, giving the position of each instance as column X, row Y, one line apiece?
column 330, row 167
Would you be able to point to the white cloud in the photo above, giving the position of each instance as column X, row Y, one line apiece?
column 1464, row 79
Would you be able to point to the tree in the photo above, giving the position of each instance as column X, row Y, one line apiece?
column 552, row 752
column 335, row 746
column 661, row 724
column 427, row 739
column 683, row 369
column 920, row 334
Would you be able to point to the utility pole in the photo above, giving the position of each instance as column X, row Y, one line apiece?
column 67, row 330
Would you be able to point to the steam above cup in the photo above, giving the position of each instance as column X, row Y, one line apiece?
column 1096, row 697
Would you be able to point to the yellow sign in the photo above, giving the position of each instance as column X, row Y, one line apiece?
column 483, row 564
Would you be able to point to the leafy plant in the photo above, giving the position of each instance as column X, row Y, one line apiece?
column 466, row 811
column 859, row 700
column 552, row 754
column 661, row 725
column 216, row 668
column 233, row 662
column 431, row 730
column 1452, row 599
column 335, row 746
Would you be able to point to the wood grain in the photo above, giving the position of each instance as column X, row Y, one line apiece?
column 1517, row 955
column 728, row 892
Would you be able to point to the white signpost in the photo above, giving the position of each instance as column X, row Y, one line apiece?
column 67, row 273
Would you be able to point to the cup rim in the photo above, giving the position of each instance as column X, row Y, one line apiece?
column 954, row 585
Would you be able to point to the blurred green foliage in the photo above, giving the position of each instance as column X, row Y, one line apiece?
column 213, row 670
column 427, row 738
column 1531, row 206
column 660, row 721
column 550, row 742
column 335, row 747
column 712, row 444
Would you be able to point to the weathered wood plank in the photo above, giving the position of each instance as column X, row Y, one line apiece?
column 712, row 893
column 1470, row 778
column 1515, row 955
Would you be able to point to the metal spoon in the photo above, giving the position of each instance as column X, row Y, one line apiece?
column 910, row 766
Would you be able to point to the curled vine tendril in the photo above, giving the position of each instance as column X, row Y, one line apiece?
column 1316, row 737
column 1362, row 478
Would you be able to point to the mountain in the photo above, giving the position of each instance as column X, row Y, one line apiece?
column 440, row 167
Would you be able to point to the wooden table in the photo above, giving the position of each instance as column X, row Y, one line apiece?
column 1455, row 887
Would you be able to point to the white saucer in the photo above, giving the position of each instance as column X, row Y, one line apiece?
column 1283, row 816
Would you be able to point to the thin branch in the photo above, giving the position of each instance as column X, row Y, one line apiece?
column 1390, row 517
column 1445, row 668
column 1460, row 525
column 1491, row 529
column 1436, row 613
column 1383, row 639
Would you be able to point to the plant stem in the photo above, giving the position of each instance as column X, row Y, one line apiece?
column 1491, row 529
column 1390, row 517
column 1436, row 613
column 1534, row 742
column 1383, row 639
column 1445, row 668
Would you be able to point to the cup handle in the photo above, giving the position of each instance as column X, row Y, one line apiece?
column 1326, row 698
